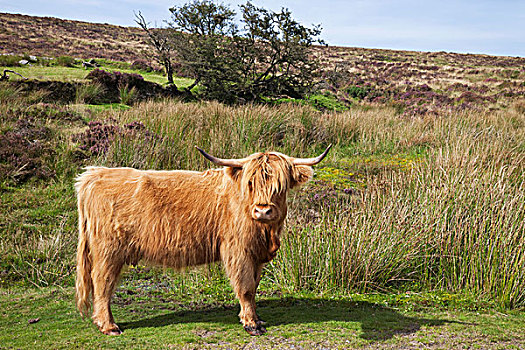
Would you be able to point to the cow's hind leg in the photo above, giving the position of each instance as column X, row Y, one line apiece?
column 105, row 276
column 258, row 276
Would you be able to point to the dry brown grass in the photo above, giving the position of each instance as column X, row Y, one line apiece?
column 442, row 205
column 450, row 217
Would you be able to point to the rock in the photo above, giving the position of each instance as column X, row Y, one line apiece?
column 23, row 62
column 90, row 64
column 33, row 58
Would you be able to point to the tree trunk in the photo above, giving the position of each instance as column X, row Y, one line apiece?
column 169, row 72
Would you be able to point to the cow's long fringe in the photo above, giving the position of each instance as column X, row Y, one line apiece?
column 84, row 283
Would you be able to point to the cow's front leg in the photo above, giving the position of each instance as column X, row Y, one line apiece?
column 244, row 279
column 248, row 317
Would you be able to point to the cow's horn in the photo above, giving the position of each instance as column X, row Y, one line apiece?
column 234, row 163
column 311, row 161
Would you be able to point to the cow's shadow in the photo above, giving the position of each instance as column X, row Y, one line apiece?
column 377, row 322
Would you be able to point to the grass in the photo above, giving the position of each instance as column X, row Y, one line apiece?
column 77, row 73
column 411, row 231
column 220, row 129
column 88, row 93
column 48, row 73
column 102, row 107
column 429, row 203
column 163, row 320
column 38, row 250
column 419, row 211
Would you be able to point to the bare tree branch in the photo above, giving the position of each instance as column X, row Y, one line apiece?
column 5, row 77
column 160, row 41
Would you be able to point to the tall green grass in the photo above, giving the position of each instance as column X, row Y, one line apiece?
column 88, row 93
column 221, row 130
column 455, row 221
column 452, row 218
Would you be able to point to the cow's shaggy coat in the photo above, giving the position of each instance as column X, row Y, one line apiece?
column 182, row 218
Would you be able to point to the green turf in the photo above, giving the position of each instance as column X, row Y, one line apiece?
column 77, row 73
column 157, row 320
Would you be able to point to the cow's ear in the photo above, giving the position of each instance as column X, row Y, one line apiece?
column 301, row 174
column 234, row 173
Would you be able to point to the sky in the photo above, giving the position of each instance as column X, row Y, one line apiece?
column 495, row 27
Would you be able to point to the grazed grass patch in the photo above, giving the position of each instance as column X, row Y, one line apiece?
column 79, row 74
column 356, row 321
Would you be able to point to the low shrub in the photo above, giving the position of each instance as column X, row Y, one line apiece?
column 141, row 65
column 97, row 138
column 328, row 102
column 23, row 151
column 362, row 92
column 65, row 61
column 114, row 79
column 10, row 60
column 100, row 135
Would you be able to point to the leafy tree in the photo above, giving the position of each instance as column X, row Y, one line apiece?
column 267, row 54
column 203, row 36
column 277, row 57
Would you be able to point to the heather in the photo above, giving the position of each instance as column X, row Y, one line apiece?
column 423, row 189
column 420, row 203
column 45, row 36
column 28, row 142
column 22, row 151
column 420, row 83
column 410, row 234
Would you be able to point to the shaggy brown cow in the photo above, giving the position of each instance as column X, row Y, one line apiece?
column 183, row 218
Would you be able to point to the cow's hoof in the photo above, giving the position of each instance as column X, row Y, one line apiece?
column 257, row 330
column 113, row 331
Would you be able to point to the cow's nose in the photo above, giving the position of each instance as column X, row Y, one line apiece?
column 263, row 212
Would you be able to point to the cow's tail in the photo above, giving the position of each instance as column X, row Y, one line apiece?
column 84, row 283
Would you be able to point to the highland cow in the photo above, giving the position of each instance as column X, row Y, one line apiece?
column 180, row 218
